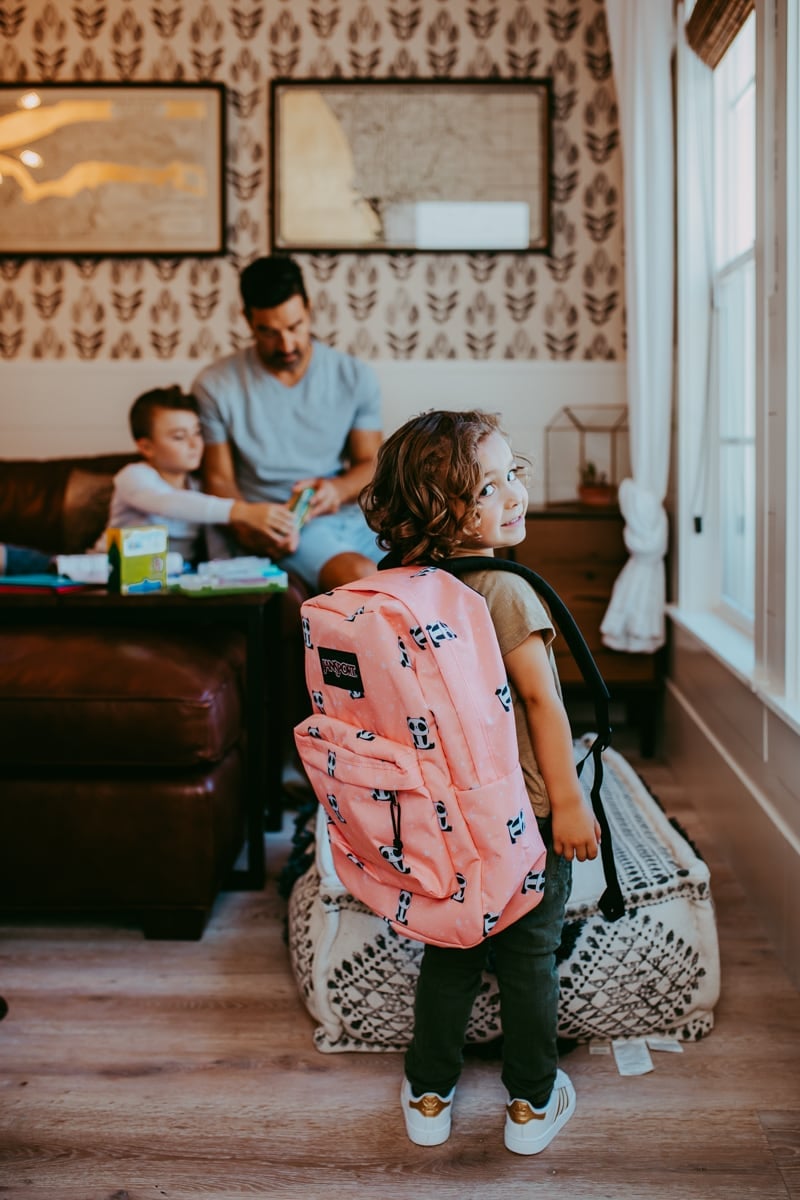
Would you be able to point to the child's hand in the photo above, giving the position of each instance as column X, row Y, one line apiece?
column 576, row 832
column 273, row 521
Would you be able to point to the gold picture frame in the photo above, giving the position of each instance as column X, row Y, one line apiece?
column 106, row 169
column 410, row 165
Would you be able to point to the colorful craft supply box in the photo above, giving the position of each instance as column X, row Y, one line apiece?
column 137, row 558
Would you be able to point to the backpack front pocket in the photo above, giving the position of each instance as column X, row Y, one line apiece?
column 381, row 815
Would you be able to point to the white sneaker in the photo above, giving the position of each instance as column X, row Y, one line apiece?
column 528, row 1129
column 427, row 1117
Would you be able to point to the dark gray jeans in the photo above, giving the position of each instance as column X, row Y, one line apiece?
column 20, row 560
column 524, row 961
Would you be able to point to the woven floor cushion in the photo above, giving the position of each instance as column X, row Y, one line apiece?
column 655, row 971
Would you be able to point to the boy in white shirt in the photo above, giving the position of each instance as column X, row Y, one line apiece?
column 161, row 490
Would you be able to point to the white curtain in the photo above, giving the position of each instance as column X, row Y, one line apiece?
column 641, row 36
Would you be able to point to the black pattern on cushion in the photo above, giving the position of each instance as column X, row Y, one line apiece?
column 655, row 971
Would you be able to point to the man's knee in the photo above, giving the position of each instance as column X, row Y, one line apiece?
column 344, row 568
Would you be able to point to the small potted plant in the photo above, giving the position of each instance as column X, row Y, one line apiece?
column 594, row 489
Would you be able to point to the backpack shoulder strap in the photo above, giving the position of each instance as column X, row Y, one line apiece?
column 611, row 903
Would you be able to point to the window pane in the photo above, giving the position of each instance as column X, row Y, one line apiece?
column 736, row 375
column 735, row 299
column 741, row 57
column 743, row 172
column 737, row 527
column 792, row 600
column 734, row 295
column 734, row 148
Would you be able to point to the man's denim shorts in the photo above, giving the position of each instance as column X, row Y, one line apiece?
column 323, row 537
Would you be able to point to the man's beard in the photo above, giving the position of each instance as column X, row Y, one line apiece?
column 278, row 361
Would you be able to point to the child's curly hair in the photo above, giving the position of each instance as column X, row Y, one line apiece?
column 423, row 494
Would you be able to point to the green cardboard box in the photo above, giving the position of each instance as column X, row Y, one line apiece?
column 137, row 558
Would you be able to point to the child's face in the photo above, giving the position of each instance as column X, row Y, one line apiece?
column 175, row 445
column 502, row 500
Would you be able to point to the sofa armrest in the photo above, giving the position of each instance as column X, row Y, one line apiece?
column 58, row 505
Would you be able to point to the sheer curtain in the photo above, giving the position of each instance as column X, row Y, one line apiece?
column 641, row 35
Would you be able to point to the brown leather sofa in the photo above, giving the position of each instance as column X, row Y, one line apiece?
column 121, row 749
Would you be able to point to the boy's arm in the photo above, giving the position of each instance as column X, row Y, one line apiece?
column 575, row 830
column 142, row 488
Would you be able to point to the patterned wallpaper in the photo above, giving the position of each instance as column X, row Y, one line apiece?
column 565, row 306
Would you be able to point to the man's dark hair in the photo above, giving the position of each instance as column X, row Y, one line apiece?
column 268, row 282
column 140, row 418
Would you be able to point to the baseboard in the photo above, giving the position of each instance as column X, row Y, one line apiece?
column 764, row 859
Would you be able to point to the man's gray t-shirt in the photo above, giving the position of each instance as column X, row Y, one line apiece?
column 280, row 434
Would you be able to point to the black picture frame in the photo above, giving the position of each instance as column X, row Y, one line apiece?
column 410, row 165
column 112, row 169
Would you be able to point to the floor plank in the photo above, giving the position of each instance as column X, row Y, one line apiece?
column 132, row 1070
column 783, row 1135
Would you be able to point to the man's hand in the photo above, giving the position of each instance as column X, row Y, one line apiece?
column 327, row 496
column 268, row 529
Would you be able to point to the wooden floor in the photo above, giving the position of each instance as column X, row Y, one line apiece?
column 135, row 1070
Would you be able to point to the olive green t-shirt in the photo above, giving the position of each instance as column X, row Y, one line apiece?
column 516, row 613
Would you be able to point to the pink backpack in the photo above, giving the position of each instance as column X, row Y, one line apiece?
column 412, row 752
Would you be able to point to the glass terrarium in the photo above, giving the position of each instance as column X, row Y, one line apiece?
column 587, row 454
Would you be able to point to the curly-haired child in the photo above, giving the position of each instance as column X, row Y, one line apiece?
column 447, row 484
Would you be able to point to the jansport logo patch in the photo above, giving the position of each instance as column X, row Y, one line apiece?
column 340, row 669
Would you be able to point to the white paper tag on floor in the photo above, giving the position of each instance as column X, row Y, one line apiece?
column 599, row 1046
column 667, row 1045
column 632, row 1056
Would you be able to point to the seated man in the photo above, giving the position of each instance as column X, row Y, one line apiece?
column 287, row 413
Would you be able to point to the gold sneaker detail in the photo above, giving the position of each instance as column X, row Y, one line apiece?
column 520, row 1112
column 429, row 1105
column 528, row 1131
column 427, row 1117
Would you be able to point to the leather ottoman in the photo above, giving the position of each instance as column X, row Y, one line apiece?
column 121, row 764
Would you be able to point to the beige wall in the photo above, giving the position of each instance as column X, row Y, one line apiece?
column 49, row 409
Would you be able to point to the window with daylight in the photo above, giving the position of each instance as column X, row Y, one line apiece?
column 792, row 622
column 738, row 467
column 733, row 429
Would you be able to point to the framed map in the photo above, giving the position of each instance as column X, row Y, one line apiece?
column 112, row 169
column 405, row 165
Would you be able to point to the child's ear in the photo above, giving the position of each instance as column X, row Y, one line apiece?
column 470, row 527
column 145, row 447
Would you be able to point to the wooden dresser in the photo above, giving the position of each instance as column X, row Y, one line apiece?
column 580, row 551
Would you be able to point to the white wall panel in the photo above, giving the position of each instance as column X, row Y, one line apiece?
column 52, row 409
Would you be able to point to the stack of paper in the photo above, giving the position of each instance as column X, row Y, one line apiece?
column 229, row 575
